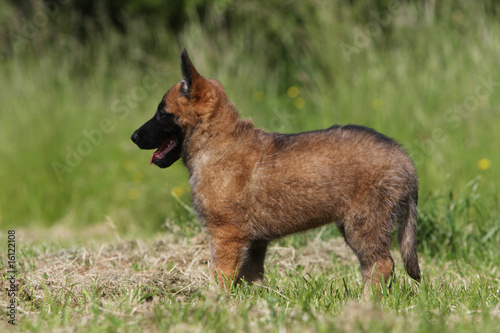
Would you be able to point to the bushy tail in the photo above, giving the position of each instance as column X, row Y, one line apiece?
column 407, row 236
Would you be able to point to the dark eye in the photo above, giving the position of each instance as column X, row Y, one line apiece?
column 162, row 115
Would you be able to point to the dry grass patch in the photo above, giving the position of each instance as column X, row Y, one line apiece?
column 143, row 272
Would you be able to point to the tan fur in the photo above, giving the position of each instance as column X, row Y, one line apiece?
column 250, row 187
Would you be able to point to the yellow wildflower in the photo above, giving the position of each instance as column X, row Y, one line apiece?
column 299, row 102
column 133, row 194
column 176, row 191
column 293, row 92
column 483, row 164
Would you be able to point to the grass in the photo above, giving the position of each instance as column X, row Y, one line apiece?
column 108, row 243
column 159, row 284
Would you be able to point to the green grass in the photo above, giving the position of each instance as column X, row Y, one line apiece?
column 159, row 285
column 423, row 81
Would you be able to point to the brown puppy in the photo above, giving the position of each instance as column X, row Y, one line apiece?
column 250, row 187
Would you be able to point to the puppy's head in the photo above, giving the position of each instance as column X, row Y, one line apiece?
column 187, row 104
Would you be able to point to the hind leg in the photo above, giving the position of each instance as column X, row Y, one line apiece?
column 376, row 273
column 252, row 268
column 371, row 244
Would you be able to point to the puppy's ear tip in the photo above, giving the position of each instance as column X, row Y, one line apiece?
column 184, row 54
column 190, row 76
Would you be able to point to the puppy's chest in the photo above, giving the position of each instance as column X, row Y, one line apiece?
column 217, row 184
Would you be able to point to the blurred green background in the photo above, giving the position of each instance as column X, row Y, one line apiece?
column 78, row 77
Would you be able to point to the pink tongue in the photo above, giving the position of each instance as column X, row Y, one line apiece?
column 158, row 152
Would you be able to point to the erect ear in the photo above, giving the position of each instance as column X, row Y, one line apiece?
column 190, row 77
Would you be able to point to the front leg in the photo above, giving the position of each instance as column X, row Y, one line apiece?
column 228, row 247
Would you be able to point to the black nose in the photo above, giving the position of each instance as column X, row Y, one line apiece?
column 135, row 137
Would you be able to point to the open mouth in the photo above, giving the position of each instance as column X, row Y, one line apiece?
column 164, row 149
